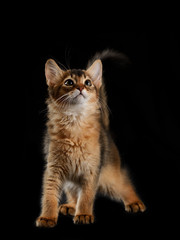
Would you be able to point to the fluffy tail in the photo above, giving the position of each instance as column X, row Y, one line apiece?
column 118, row 59
column 121, row 59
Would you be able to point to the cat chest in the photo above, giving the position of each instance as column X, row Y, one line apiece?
column 79, row 149
column 81, row 157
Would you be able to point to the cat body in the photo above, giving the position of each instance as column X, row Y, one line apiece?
column 81, row 157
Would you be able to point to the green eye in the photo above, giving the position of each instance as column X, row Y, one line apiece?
column 88, row 83
column 69, row 82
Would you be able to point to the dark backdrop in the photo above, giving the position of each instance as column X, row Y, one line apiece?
column 144, row 103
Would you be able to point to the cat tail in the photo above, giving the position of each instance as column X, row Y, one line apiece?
column 114, row 56
column 108, row 57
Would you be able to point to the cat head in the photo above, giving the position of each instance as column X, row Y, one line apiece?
column 74, row 86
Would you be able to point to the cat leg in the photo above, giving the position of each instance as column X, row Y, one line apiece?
column 131, row 200
column 52, row 186
column 84, row 208
column 117, row 185
column 70, row 206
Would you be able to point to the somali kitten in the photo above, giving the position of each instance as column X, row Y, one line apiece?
column 81, row 157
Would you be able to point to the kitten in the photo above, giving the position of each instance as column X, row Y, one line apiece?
column 82, row 158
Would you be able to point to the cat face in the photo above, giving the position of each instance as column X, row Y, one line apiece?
column 73, row 87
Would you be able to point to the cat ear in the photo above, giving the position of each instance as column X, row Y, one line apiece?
column 95, row 72
column 52, row 72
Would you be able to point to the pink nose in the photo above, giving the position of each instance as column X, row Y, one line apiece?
column 80, row 88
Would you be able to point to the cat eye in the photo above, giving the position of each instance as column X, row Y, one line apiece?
column 69, row 82
column 88, row 83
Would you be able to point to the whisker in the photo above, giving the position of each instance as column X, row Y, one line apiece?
column 61, row 97
column 62, row 66
column 67, row 57
column 64, row 103
column 43, row 111
column 103, row 106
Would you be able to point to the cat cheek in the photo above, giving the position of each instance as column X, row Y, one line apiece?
column 85, row 93
column 74, row 93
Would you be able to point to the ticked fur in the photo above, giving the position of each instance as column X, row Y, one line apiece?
column 81, row 157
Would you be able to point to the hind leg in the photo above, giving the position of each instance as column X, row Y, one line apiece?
column 69, row 208
column 116, row 184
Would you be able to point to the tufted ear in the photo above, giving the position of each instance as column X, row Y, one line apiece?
column 95, row 72
column 52, row 72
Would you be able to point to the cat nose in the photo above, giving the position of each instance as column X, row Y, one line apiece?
column 80, row 88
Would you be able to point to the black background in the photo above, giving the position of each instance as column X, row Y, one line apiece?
column 144, row 103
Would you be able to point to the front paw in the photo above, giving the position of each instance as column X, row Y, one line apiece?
column 46, row 222
column 84, row 219
column 66, row 209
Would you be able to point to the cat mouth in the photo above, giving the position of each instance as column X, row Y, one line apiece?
column 79, row 98
column 79, row 95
